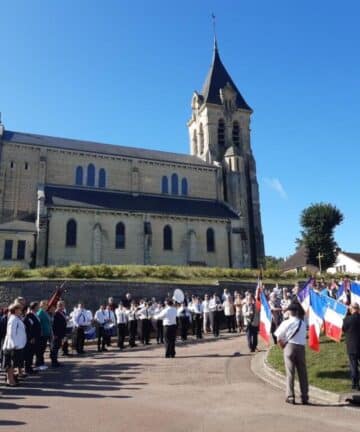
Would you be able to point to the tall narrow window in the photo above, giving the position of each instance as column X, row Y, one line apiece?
column 120, row 236
column 90, row 181
column 184, row 186
column 71, row 233
column 174, row 184
column 195, row 143
column 201, row 139
column 210, row 240
column 236, row 134
column 102, row 178
column 8, row 249
column 79, row 176
column 221, row 133
column 167, row 237
column 164, row 185
column 21, row 249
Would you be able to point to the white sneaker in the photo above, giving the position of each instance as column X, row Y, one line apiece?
column 43, row 367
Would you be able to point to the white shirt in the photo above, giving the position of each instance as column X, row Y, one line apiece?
column 144, row 313
column 205, row 306
column 121, row 315
column 15, row 334
column 81, row 318
column 197, row 308
column 168, row 315
column 215, row 305
column 100, row 316
column 184, row 312
column 288, row 328
column 110, row 318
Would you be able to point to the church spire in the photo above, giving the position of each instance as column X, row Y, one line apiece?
column 217, row 78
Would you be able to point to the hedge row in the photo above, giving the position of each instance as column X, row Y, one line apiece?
column 104, row 271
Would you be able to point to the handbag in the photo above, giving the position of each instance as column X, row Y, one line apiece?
column 282, row 343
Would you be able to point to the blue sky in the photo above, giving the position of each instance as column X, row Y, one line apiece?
column 123, row 72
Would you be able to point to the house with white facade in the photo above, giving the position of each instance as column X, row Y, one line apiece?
column 346, row 262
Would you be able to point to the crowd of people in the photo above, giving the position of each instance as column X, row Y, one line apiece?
column 28, row 330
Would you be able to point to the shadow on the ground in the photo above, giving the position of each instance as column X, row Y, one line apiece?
column 11, row 423
column 77, row 380
column 337, row 374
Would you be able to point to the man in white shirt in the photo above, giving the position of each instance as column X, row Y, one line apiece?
column 168, row 315
column 197, row 314
column 100, row 320
column 121, row 319
column 215, row 308
column 144, row 315
column 81, row 321
column 206, row 314
column 291, row 335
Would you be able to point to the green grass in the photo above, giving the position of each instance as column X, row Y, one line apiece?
column 327, row 370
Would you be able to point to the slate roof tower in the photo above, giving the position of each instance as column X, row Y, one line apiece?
column 219, row 131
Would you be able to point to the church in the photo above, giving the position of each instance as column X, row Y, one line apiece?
column 66, row 201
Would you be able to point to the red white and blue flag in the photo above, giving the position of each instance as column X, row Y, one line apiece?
column 355, row 293
column 316, row 318
column 265, row 319
column 334, row 315
column 304, row 295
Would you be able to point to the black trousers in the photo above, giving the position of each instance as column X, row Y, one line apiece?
column 354, row 360
column 215, row 322
column 121, row 335
column 79, row 339
column 132, row 332
column 230, row 322
column 101, row 337
column 41, row 348
column 198, row 325
column 252, row 337
column 170, row 337
column 30, row 350
column 145, row 331
column 159, row 331
column 54, row 349
column 184, row 325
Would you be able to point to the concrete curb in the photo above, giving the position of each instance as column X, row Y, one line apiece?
column 261, row 368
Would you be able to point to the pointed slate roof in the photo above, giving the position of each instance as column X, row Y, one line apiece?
column 217, row 79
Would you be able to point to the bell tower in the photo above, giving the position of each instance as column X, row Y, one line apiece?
column 219, row 131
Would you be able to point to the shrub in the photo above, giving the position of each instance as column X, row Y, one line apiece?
column 75, row 271
column 51, row 272
column 103, row 271
column 16, row 272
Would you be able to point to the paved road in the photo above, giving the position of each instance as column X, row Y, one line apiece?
column 207, row 387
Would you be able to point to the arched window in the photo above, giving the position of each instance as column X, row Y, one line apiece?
column 195, row 145
column 90, row 181
column 210, row 240
column 120, row 236
column 164, row 185
column 184, row 186
column 174, row 184
column 221, row 133
column 79, row 176
column 167, row 237
column 102, row 178
column 71, row 233
column 236, row 134
column 201, row 139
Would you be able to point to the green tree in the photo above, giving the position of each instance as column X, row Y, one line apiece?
column 272, row 262
column 318, row 222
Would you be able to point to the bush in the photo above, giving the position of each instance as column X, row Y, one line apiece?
column 103, row 271
column 16, row 273
column 75, row 271
column 51, row 272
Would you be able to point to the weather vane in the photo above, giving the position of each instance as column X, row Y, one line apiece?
column 214, row 23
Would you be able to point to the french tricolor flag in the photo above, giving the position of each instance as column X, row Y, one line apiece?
column 265, row 319
column 304, row 295
column 316, row 318
column 355, row 293
column 333, row 318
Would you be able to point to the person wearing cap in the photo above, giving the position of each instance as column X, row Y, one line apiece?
column 291, row 336
column 351, row 328
column 168, row 315
column 14, row 343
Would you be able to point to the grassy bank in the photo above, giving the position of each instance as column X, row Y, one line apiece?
column 183, row 274
column 328, row 369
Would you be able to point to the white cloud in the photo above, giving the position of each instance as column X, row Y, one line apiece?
column 275, row 184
